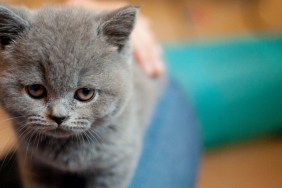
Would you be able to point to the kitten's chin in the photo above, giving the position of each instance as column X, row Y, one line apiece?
column 62, row 133
column 59, row 133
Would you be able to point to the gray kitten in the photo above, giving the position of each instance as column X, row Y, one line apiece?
column 78, row 102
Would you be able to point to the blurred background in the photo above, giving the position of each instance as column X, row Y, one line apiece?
column 227, row 56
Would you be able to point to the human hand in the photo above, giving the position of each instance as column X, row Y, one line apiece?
column 147, row 51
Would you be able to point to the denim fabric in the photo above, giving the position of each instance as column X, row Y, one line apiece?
column 172, row 146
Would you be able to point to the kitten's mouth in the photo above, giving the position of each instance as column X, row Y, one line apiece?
column 60, row 133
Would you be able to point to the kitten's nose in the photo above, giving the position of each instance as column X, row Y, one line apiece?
column 59, row 120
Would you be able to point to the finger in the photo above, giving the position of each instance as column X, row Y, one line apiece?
column 142, row 58
column 149, row 57
column 154, row 51
column 157, row 60
column 143, row 39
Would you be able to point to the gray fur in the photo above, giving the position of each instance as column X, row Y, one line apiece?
column 65, row 49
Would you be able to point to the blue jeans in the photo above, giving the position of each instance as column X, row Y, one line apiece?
column 172, row 146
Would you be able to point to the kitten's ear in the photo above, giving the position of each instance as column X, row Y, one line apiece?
column 117, row 26
column 11, row 25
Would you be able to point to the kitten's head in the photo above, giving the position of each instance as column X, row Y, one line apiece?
column 64, row 71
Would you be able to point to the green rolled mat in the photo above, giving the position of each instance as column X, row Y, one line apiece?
column 235, row 85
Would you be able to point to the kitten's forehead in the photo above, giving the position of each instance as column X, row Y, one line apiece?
column 62, row 43
column 66, row 33
column 65, row 20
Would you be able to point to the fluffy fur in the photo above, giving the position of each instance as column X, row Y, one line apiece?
column 65, row 49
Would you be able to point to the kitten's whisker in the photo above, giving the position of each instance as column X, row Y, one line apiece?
column 12, row 118
column 88, row 138
column 3, row 128
column 37, row 140
column 20, row 127
column 27, row 137
column 30, row 151
column 78, row 137
column 14, row 153
column 81, row 140
column 97, row 134
column 95, row 137
column 22, row 131
column 15, row 128
column 32, row 136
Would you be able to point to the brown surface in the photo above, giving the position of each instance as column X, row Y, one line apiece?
column 200, row 19
column 253, row 165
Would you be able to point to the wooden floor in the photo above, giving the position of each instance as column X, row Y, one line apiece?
column 251, row 165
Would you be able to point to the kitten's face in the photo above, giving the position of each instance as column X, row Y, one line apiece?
column 66, row 71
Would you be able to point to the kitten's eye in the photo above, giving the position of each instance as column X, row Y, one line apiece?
column 85, row 94
column 36, row 91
